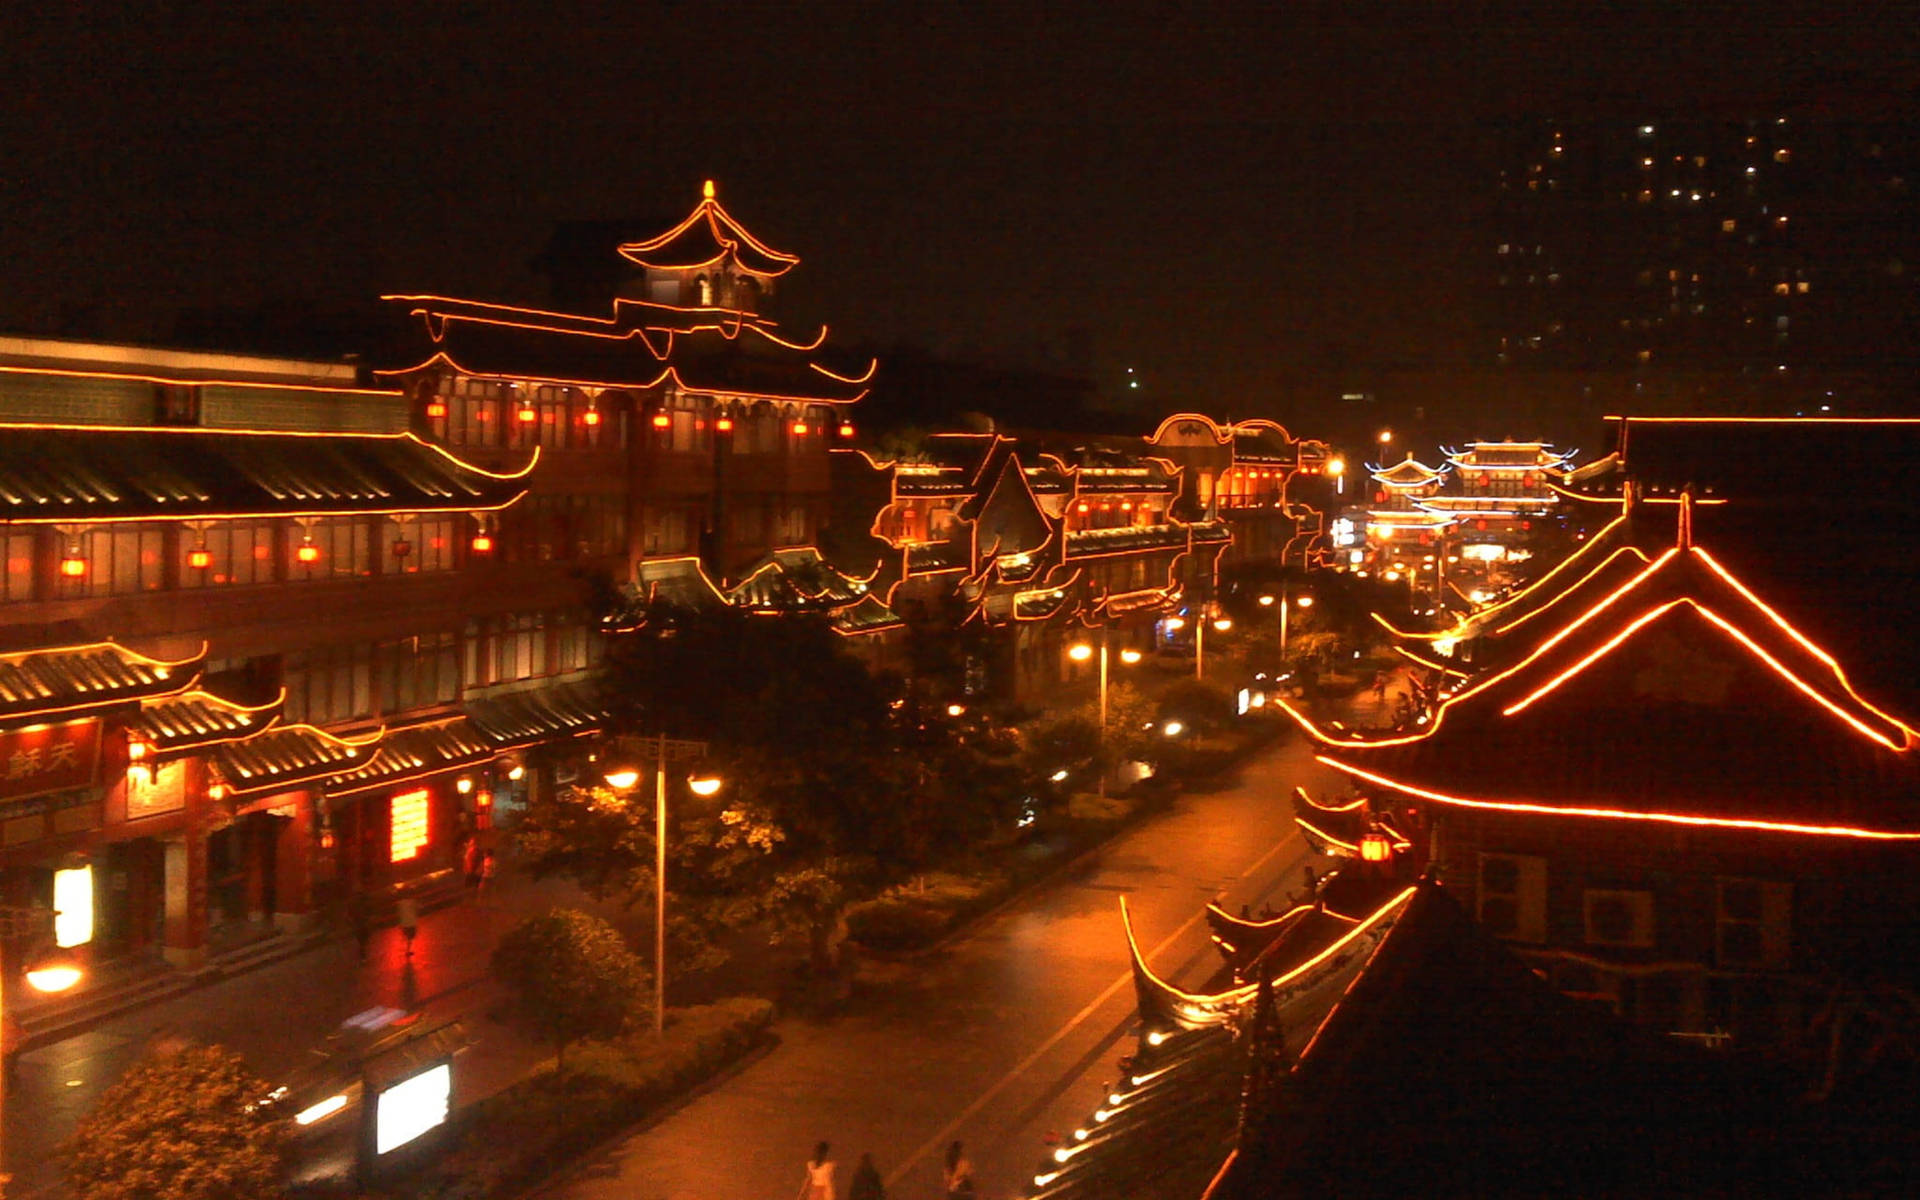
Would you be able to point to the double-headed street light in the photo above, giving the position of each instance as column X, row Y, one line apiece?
column 1081, row 652
column 623, row 779
column 1286, row 602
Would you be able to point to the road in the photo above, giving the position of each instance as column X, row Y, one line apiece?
column 1006, row 1034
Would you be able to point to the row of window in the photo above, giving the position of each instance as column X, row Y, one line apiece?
column 473, row 412
column 347, row 683
column 150, row 557
column 1751, row 917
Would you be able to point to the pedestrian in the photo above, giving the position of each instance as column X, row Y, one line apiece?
column 817, row 1183
column 360, row 917
column 407, row 912
column 866, row 1183
column 470, row 864
column 959, row 1174
column 486, row 873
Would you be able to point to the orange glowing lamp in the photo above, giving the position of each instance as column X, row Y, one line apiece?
column 1376, row 847
column 799, row 429
column 529, row 415
column 73, row 566
column 199, row 558
column 591, row 417
column 482, row 543
column 307, row 553
column 436, row 409
column 846, row 429
column 661, row 420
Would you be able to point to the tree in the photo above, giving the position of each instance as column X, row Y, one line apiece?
column 571, row 976
column 184, row 1123
column 835, row 783
column 1199, row 704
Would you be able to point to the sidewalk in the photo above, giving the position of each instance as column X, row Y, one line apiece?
column 277, row 1015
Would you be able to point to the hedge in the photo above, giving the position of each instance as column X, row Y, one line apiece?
column 518, row 1136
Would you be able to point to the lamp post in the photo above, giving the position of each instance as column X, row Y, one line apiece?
column 1286, row 603
column 623, row 780
column 1081, row 652
column 47, row 973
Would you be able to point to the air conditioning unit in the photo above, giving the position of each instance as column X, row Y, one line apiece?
column 1618, row 918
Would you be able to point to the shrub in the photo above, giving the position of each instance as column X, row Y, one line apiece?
column 519, row 1135
column 184, row 1123
column 896, row 923
column 571, row 976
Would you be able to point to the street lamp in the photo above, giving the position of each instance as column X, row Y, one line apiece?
column 1081, row 652
column 53, row 972
column 624, row 779
column 1286, row 603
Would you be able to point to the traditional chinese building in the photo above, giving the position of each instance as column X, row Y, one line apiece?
column 684, row 421
column 1039, row 537
column 260, row 647
column 1657, row 771
column 1400, row 1048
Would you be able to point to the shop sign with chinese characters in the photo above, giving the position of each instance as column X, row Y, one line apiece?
column 49, row 758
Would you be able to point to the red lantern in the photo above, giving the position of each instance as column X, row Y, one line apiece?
column 199, row 558
column 307, row 553
column 436, row 409
column 846, row 429
column 528, row 416
column 1375, row 847
column 482, row 544
column 661, row 420
column 723, row 424
column 591, row 416
column 73, row 566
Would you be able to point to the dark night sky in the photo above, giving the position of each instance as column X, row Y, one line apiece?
column 1202, row 190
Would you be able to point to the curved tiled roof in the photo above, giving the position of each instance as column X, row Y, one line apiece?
column 288, row 756
column 415, row 751
column 75, row 474
column 708, row 237
column 525, row 717
column 200, row 718
column 73, row 680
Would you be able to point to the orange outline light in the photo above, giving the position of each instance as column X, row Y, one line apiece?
column 1618, row 814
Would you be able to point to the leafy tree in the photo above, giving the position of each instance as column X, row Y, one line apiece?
column 571, row 976
column 184, row 1123
column 834, row 783
column 1199, row 704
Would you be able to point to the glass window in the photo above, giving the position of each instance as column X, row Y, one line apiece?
column 227, row 552
column 419, row 543
column 119, row 562
column 342, row 546
column 335, row 684
column 17, row 583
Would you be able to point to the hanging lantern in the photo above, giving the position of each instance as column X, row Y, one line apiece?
column 217, row 792
column 591, row 417
column 723, row 424
column 307, row 553
column 199, row 558
column 1376, row 847
column 402, row 548
column 482, row 543
column 846, row 429
column 436, row 409
column 799, row 429
column 661, row 420
column 528, row 415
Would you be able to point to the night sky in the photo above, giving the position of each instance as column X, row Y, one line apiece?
column 1191, row 190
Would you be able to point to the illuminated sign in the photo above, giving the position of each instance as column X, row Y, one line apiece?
column 48, row 758
column 409, row 825
column 73, row 907
column 413, row 1106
